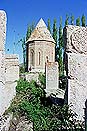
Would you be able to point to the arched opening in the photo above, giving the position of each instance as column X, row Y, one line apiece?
column 47, row 59
column 39, row 57
column 32, row 58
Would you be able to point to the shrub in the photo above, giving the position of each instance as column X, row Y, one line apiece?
column 28, row 102
column 42, row 79
column 22, row 69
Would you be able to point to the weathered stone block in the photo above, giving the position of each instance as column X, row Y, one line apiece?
column 77, row 82
column 2, row 29
column 11, row 68
column 32, row 76
column 75, row 39
column 52, row 76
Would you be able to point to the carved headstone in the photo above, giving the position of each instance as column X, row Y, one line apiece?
column 9, row 70
column 52, row 75
column 75, row 39
column 2, row 29
column 2, row 57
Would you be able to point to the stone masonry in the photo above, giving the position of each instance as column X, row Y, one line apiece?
column 52, row 77
column 75, row 39
column 9, row 69
column 2, row 57
column 40, row 48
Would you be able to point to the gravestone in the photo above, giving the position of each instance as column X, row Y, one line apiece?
column 75, row 39
column 2, row 57
column 52, row 76
column 9, row 69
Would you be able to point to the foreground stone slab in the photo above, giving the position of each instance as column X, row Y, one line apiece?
column 2, row 57
column 75, row 39
column 9, row 70
column 2, row 29
column 77, row 82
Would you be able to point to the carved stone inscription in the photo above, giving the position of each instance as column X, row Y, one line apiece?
column 75, row 39
column 2, row 29
column 77, row 82
column 51, row 76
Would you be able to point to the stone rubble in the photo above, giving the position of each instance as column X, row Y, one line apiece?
column 5, row 122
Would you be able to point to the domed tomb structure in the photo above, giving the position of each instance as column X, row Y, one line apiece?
column 40, row 48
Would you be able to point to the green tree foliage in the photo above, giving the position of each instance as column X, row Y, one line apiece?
column 28, row 34
column 42, row 79
column 21, row 69
column 60, row 58
column 22, row 41
column 32, row 26
column 67, row 20
column 24, row 51
column 48, row 25
column 72, row 20
column 55, row 31
column 83, row 20
column 27, row 37
column 29, row 30
column 78, row 21
column 31, row 102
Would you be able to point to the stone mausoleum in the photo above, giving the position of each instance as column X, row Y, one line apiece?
column 40, row 48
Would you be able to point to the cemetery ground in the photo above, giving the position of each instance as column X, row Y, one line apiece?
column 31, row 106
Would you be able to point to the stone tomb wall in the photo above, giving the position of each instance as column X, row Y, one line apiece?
column 51, row 77
column 10, row 76
column 39, row 60
column 9, row 69
column 75, row 39
column 2, row 57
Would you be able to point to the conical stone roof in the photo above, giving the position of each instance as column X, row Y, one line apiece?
column 41, row 33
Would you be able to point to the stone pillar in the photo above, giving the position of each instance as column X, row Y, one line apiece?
column 75, row 39
column 52, row 77
column 2, row 57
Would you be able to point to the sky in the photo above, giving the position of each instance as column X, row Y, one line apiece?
column 20, row 13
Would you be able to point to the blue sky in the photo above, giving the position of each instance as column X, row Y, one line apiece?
column 21, row 12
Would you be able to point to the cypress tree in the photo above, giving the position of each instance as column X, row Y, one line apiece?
column 67, row 20
column 83, row 20
column 32, row 26
column 48, row 25
column 29, row 30
column 24, row 51
column 72, row 20
column 60, row 57
column 55, row 38
column 78, row 21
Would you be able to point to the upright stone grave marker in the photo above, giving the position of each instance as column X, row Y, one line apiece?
column 2, row 57
column 9, row 69
column 75, row 39
column 51, row 77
